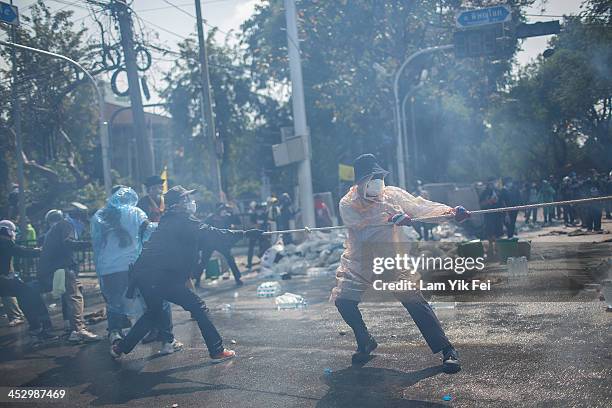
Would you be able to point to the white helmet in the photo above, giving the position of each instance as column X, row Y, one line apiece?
column 9, row 227
column 53, row 216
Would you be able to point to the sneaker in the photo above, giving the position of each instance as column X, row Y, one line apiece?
column 83, row 336
column 114, row 336
column 16, row 322
column 363, row 354
column 450, row 360
column 239, row 283
column 115, row 350
column 169, row 348
column 223, row 356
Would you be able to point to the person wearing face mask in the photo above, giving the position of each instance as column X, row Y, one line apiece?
column 365, row 209
column 166, row 263
column 118, row 231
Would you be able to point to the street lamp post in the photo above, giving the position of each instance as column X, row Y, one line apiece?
column 101, row 123
column 410, row 95
column 400, row 145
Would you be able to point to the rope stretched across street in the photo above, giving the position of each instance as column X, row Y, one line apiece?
column 475, row 212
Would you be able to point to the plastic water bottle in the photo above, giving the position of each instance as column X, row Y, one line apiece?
column 226, row 308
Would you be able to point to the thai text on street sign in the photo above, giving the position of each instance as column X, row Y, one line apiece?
column 484, row 16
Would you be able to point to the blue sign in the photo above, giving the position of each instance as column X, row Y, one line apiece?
column 484, row 16
column 9, row 14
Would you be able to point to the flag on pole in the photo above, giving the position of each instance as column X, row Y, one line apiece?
column 346, row 173
column 164, row 176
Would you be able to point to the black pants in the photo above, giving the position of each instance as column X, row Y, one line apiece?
column 420, row 311
column 568, row 214
column 593, row 218
column 511, row 223
column 227, row 254
column 263, row 243
column 30, row 301
column 178, row 294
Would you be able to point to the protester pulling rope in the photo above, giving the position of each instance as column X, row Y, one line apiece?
column 475, row 212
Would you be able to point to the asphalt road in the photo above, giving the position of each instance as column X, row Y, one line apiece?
column 513, row 354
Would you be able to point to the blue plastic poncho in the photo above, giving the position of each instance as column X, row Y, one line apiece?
column 115, row 232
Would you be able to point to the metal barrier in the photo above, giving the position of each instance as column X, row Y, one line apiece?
column 27, row 267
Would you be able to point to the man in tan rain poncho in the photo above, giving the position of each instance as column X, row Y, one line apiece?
column 367, row 205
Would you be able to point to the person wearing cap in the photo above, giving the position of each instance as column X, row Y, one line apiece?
column 165, row 265
column 11, row 285
column 118, row 231
column 366, row 210
column 58, row 253
column 221, row 218
column 153, row 203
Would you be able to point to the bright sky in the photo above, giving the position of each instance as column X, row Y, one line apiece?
column 173, row 24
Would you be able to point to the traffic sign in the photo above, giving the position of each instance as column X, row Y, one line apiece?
column 484, row 16
column 491, row 41
column 9, row 14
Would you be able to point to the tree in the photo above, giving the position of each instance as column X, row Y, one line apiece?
column 556, row 115
column 58, row 115
column 349, row 106
column 238, row 115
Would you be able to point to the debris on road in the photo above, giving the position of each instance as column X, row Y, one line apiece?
column 290, row 301
column 269, row 289
column 95, row 317
column 318, row 255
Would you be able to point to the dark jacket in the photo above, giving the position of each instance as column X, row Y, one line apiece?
column 171, row 254
column 58, row 252
column 510, row 196
column 9, row 249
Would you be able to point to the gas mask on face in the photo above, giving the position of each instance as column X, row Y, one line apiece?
column 374, row 187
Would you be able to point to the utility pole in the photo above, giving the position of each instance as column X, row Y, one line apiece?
column 299, row 115
column 401, row 170
column 18, row 142
column 207, row 116
column 144, row 143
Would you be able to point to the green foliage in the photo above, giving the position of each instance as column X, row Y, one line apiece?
column 557, row 114
column 58, row 114
column 350, row 106
column 241, row 118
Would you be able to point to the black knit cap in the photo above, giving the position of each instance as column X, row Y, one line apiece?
column 366, row 166
column 174, row 195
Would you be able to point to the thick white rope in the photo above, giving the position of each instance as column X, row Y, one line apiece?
column 438, row 217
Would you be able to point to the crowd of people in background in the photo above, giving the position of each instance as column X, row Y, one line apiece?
column 506, row 192
column 117, row 232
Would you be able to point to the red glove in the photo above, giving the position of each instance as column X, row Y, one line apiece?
column 401, row 219
column 461, row 214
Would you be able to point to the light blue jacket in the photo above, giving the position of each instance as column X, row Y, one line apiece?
column 109, row 255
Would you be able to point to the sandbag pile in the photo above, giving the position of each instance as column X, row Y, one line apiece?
column 318, row 255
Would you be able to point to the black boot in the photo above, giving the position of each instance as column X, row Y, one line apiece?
column 450, row 360
column 362, row 355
